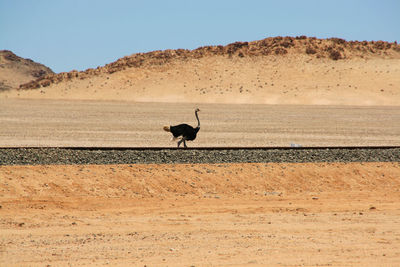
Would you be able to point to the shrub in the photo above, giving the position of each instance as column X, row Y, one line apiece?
column 380, row 45
column 280, row 51
column 338, row 40
column 310, row 50
column 335, row 55
column 286, row 44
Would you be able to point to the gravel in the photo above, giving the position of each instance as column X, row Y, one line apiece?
column 45, row 156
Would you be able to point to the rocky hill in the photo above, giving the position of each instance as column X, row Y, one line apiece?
column 279, row 70
column 15, row 70
column 333, row 48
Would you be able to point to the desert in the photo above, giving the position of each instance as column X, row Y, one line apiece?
column 268, row 93
column 277, row 70
column 201, row 215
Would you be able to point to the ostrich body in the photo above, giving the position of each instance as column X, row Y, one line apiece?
column 185, row 131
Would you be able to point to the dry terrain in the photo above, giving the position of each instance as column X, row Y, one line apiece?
column 270, row 80
column 271, row 92
column 15, row 70
column 116, row 123
column 329, row 214
column 279, row 70
column 198, row 214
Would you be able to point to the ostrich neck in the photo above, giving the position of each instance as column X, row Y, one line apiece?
column 198, row 121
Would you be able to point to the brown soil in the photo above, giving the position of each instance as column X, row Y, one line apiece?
column 194, row 215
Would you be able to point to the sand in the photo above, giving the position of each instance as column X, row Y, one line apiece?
column 122, row 123
column 195, row 215
column 292, row 79
column 314, row 214
column 311, row 214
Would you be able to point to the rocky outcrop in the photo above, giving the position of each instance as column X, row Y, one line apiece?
column 333, row 49
column 15, row 70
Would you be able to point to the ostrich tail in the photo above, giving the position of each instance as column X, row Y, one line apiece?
column 166, row 128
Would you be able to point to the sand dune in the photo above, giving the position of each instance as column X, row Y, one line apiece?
column 269, row 71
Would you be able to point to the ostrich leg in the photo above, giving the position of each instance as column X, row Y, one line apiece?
column 182, row 140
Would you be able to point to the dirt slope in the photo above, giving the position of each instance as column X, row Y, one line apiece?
column 316, row 214
column 279, row 70
column 243, row 180
column 15, row 70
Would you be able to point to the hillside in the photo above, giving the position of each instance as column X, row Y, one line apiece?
column 278, row 70
column 15, row 70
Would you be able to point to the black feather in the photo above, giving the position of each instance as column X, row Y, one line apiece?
column 187, row 132
column 184, row 130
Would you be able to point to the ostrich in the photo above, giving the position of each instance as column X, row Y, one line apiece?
column 187, row 132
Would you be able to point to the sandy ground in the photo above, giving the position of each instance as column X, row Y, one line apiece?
column 291, row 79
column 315, row 214
column 118, row 123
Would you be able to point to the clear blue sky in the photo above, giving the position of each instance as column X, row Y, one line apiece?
column 81, row 34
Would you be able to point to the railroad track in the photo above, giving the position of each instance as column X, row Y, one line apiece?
column 165, row 155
